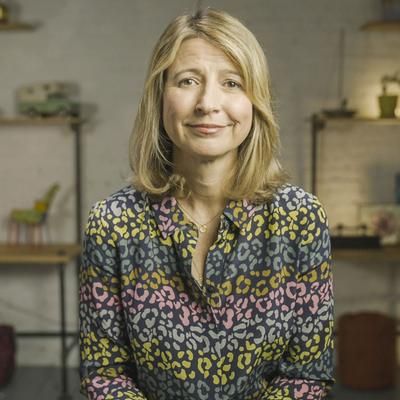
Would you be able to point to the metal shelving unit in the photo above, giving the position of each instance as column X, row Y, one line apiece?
column 58, row 255
column 390, row 255
column 318, row 124
column 75, row 125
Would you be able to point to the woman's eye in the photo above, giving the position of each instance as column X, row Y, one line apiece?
column 233, row 84
column 187, row 82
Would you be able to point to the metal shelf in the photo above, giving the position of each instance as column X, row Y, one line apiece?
column 26, row 121
column 387, row 254
column 38, row 254
column 17, row 26
column 369, row 120
column 382, row 26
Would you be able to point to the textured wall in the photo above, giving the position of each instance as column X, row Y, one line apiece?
column 104, row 47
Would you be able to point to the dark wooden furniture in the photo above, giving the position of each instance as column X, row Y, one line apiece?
column 60, row 256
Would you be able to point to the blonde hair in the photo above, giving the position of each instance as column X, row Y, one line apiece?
column 258, row 172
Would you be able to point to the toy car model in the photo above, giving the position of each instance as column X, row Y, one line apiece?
column 45, row 100
column 3, row 13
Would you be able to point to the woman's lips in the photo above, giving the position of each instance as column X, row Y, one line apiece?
column 207, row 128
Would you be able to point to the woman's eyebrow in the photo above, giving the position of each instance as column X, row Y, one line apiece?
column 198, row 72
column 231, row 72
column 186, row 70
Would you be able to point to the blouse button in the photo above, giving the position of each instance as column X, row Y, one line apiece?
column 215, row 300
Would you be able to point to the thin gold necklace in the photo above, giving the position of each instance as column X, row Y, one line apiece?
column 200, row 280
column 201, row 227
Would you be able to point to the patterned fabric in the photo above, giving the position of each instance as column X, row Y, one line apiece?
column 261, row 327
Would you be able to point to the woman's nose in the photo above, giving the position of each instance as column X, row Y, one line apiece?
column 209, row 99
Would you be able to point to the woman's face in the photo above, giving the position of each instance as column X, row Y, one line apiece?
column 206, row 112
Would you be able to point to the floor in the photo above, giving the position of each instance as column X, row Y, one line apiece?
column 39, row 384
column 43, row 384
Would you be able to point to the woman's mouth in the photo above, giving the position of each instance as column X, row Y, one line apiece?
column 207, row 128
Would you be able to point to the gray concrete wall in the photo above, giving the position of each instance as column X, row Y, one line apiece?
column 104, row 47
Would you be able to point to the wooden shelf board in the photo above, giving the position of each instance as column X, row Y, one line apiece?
column 38, row 254
column 17, row 26
column 384, row 254
column 381, row 26
column 369, row 120
column 38, row 121
column 383, row 121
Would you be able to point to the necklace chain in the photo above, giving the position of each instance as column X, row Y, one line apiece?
column 201, row 227
column 200, row 280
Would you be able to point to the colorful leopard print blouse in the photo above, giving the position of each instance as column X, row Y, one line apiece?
column 260, row 327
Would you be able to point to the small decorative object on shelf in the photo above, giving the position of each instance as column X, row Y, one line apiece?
column 47, row 100
column 382, row 220
column 388, row 102
column 384, row 224
column 341, row 112
column 32, row 219
column 10, row 17
column 3, row 12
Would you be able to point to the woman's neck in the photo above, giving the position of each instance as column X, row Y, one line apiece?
column 206, row 180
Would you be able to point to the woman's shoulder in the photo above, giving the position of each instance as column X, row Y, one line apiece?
column 126, row 201
column 303, row 213
column 126, row 198
column 294, row 198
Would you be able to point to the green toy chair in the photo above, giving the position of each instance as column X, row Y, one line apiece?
column 32, row 220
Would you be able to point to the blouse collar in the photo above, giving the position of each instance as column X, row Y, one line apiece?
column 169, row 216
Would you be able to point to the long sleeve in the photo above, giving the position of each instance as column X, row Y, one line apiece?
column 107, row 368
column 306, row 370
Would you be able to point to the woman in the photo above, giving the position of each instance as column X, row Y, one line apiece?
column 209, row 277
